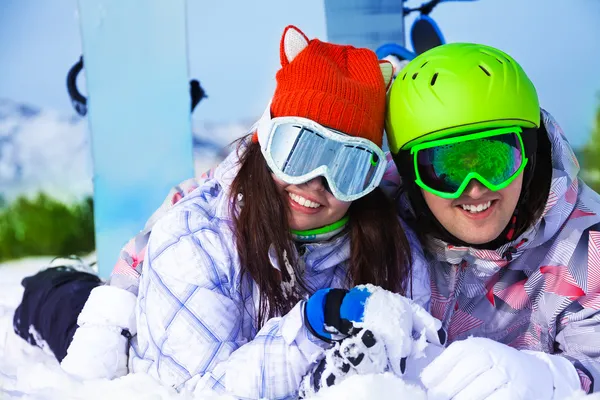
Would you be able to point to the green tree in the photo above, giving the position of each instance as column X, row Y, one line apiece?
column 45, row 226
column 591, row 156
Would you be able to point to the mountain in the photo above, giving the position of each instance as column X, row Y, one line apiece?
column 211, row 141
column 43, row 150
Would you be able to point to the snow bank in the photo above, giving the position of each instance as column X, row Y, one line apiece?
column 367, row 387
column 28, row 372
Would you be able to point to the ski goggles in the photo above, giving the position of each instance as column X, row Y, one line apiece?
column 298, row 149
column 445, row 167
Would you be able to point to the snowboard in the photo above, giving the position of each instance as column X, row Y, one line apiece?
column 138, row 101
column 365, row 23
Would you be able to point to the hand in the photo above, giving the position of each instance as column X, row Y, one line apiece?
column 323, row 312
column 334, row 314
column 99, row 349
column 359, row 354
column 480, row 368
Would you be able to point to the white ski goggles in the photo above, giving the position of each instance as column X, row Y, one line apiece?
column 298, row 149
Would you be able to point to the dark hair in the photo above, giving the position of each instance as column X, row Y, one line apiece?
column 380, row 252
column 531, row 204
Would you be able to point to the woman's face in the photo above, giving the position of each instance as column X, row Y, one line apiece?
column 479, row 215
column 311, row 205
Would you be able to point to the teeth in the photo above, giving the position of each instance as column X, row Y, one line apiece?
column 476, row 208
column 304, row 202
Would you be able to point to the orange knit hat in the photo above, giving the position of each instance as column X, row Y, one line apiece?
column 340, row 87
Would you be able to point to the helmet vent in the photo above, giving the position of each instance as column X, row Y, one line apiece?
column 424, row 64
column 496, row 57
column 404, row 76
column 434, row 78
column 485, row 71
column 415, row 75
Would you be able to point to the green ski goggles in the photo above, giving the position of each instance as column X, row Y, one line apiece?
column 445, row 167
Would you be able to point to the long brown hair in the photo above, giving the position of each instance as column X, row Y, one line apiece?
column 380, row 252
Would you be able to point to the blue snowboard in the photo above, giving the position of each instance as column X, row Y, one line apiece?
column 136, row 71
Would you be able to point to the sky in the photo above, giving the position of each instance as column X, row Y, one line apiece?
column 234, row 50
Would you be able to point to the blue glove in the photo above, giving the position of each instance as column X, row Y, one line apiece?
column 331, row 313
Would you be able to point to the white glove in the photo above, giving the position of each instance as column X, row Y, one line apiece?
column 397, row 321
column 480, row 368
column 356, row 355
column 100, row 344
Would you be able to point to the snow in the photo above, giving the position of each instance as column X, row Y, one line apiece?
column 366, row 387
column 28, row 372
column 389, row 315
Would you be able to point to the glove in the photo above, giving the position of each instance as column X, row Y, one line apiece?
column 334, row 314
column 330, row 314
column 480, row 368
column 359, row 354
column 99, row 349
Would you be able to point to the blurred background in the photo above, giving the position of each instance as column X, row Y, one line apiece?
column 46, row 168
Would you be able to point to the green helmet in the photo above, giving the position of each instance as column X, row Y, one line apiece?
column 456, row 88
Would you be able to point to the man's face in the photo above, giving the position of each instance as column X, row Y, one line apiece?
column 479, row 215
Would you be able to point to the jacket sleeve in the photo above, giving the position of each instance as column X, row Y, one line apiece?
column 579, row 342
column 578, row 335
column 194, row 332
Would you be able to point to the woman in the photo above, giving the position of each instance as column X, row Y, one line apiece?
column 245, row 279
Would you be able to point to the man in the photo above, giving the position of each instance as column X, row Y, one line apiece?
column 489, row 182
